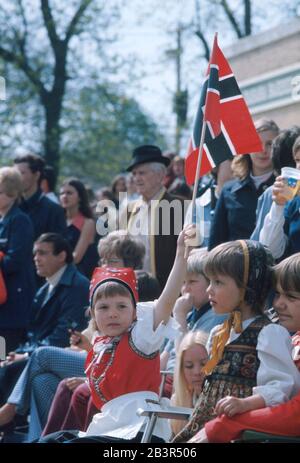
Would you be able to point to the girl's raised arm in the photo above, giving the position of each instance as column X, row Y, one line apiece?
column 166, row 301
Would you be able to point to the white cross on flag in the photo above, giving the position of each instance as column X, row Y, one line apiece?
column 230, row 127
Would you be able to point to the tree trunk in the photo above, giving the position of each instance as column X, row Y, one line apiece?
column 52, row 136
column 52, row 102
column 248, row 25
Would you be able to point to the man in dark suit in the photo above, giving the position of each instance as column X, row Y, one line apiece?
column 57, row 304
column 46, row 215
column 157, row 218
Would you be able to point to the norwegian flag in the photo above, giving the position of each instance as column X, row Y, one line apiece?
column 230, row 127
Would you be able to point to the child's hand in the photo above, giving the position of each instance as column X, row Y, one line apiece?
column 296, row 339
column 199, row 438
column 230, row 406
column 193, row 238
column 183, row 305
column 72, row 383
column 279, row 191
column 14, row 357
column 189, row 231
column 11, row 358
column 188, row 237
column 79, row 340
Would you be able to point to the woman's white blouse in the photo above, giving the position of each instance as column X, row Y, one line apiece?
column 278, row 378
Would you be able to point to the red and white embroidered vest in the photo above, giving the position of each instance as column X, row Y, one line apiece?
column 115, row 367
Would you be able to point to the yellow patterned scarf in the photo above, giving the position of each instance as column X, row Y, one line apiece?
column 220, row 339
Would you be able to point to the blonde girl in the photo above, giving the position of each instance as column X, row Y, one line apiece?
column 188, row 376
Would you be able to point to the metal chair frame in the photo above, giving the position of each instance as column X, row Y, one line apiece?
column 157, row 410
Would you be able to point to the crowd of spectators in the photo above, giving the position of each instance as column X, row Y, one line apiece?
column 204, row 315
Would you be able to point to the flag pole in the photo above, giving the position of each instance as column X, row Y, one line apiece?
column 197, row 175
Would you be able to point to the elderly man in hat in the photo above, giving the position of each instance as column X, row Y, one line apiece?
column 157, row 218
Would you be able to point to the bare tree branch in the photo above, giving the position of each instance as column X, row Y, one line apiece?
column 21, row 62
column 24, row 20
column 19, row 57
column 49, row 23
column 21, row 38
column 199, row 33
column 76, row 18
column 232, row 20
column 247, row 17
column 60, row 46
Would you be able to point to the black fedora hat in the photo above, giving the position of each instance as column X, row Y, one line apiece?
column 147, row 153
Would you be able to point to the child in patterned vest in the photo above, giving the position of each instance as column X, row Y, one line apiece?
column 250, row 364
column 283, row 419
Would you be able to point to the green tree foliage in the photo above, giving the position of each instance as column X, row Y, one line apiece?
column 50, row 53
column 35, row 42
column 100, row 128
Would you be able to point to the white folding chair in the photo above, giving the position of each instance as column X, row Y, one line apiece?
column 158, row 409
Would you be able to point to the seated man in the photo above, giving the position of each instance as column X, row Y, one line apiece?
column 57, row 304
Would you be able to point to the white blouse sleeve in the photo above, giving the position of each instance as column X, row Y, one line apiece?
column 144, row 337
column 272, row 233
column 278, row 378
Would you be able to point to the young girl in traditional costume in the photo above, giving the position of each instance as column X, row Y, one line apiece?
column 283, row 419
column 123, row 367
column 250, row 363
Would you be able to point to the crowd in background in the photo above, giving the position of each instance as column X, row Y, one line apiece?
column 50, row 245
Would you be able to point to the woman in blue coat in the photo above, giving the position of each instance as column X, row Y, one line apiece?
column 16, row 243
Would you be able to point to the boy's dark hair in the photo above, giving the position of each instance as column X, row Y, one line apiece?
column 36, row 163
column 282, row 148
column 148, row 286
column 49, row 175
column 59, row 243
